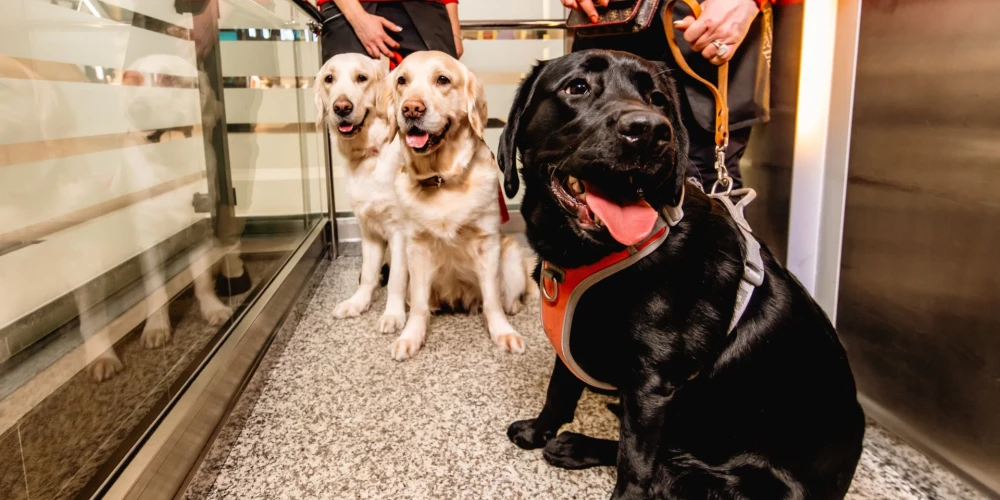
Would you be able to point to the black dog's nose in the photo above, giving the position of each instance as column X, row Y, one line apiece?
column 644, row 128
column 343, row 107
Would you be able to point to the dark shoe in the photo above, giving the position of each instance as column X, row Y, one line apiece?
column 227, row 287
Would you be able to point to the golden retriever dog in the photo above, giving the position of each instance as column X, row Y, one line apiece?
column 346, row 90
column 457, row 256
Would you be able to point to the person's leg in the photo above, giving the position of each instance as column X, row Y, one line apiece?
column 337, row 35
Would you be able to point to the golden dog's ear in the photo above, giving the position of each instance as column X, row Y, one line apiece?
column 319, row 96
column 385, row 101
column 476, row 107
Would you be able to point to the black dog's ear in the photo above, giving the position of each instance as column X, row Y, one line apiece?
column 507, row 154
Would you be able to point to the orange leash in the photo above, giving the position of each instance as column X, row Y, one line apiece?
column 720, row 93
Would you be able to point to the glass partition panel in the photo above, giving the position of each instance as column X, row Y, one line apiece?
column 152, row 179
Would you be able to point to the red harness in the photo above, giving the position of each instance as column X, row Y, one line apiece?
column 563, row 288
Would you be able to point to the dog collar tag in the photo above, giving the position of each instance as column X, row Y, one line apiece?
column 562, row 289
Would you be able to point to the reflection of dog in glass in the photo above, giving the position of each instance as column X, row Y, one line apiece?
column 32, row 112
column 158, row 102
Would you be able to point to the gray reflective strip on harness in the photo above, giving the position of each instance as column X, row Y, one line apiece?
column 753, row 266
column 593, row 279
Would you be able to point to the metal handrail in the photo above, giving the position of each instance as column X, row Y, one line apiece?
column 534, row 24
column 310, row 9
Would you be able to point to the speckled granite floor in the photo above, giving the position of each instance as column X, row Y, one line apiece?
column 337, row 418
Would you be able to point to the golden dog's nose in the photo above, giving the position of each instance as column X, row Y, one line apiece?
column 342, row 107
column 414, row 108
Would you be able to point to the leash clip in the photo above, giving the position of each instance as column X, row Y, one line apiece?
column 555, row 275
column 723, row 179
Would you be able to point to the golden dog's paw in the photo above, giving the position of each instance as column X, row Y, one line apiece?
column 105, row 367
column 391, row 322
column 155, row 335
column 513, row 308
column 216, row 314
column 350, row 309
column 404, row 348
column 510, row 342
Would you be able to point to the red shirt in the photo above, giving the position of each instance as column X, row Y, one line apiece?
column 321, row 2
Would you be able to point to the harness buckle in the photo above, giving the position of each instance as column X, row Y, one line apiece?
column 753, row 272
column 554, row 275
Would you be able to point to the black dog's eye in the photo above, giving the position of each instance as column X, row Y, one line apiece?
column 658, row 99
column 328, row 79
column 401, row 80
column 362, row 78
column 443, row 80
column 578, row 87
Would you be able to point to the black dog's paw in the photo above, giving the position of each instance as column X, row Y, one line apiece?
column 525, row 435
column 571, row 450
column 383, row 276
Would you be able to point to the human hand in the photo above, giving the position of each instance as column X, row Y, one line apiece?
column 371, row 31
column 589, row 7
column 459, row 49
column 723, row 21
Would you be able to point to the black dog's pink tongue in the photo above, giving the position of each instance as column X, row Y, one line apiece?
column 629, row 223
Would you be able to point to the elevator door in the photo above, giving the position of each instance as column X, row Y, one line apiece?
column 920, row 283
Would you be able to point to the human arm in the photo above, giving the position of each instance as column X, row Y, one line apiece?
column 456, row 26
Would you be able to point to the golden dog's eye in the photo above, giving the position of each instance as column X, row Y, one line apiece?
column 401, row 80
column 443, row 80
column 328, row 79
column 362, row 78
column 578, row 87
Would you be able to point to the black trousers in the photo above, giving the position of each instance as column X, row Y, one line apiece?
column 652, row 44
column 426, row 26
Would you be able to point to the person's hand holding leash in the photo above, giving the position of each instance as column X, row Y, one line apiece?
column 720, row 30
column 587, row 6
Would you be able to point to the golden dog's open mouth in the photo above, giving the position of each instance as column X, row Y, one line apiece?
column 628, row 221
column 422, row 141
column 348, row 129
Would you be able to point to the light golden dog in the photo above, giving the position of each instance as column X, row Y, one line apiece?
column 346, row 90
column 456, row 255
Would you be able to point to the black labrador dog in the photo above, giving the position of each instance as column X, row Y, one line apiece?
column 766, row 412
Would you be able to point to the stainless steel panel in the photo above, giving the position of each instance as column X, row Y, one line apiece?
column 920, row 284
